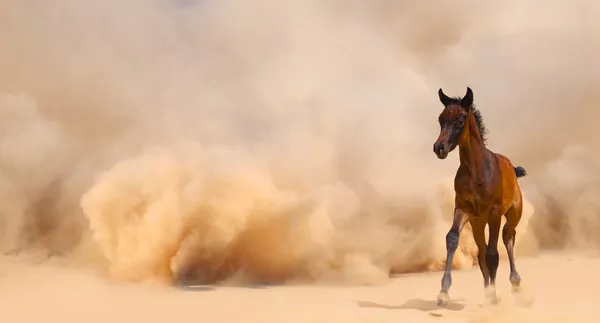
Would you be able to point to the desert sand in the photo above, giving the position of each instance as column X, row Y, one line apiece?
column 282, row 150
column 557, row 287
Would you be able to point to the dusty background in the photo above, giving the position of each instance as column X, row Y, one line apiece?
column 243, row 142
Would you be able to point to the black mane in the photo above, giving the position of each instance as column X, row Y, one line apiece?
column 479, row 122
column 478, row 119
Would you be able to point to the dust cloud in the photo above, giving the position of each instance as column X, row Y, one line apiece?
column 281, row 141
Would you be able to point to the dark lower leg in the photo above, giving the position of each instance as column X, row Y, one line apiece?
column 508, row 237
column 451, row 245
column 491, row 255
column 460, row 219
column 492, row 258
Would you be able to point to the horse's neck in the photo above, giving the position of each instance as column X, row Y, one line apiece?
column 472, row 150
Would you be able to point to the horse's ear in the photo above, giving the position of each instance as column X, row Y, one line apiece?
column 467, row 100
column 444, row 98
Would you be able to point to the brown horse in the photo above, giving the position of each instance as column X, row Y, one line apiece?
column 486, row 189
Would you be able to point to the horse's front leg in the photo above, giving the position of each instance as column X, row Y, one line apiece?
column 478, row 225
column 460, row 219
column 492, row 257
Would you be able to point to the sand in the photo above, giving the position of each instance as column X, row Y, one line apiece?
column 557, row 287
column 287, row 141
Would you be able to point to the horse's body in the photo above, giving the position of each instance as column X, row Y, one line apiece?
column 486, row 189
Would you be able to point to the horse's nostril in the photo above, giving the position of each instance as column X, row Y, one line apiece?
column 439, row 148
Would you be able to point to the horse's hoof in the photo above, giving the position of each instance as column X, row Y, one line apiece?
column 443, row 299
column 490, row 296
column 524, row 300
column 516, row 289
column 492, row 300
column 515, row 278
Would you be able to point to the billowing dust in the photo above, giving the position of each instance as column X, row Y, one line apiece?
column 282, row 141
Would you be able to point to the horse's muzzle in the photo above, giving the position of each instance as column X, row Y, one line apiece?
column 441, row 150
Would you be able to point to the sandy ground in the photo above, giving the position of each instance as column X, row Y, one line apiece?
column 293, row 137
column 558, row 287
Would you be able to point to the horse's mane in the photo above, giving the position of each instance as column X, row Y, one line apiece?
column 479, row 122
column 478, row 119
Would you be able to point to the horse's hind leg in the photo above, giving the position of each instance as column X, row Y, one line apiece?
column 513, row 216
column 460, row 219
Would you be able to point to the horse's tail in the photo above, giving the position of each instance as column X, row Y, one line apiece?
column 520, row 171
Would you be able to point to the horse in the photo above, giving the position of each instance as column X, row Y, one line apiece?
column 486, row 189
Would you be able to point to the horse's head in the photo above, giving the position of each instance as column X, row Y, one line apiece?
column 452, row 122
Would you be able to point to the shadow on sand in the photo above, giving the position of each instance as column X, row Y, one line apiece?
column 415, row 304
column 208, row 288
column 195, row 288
